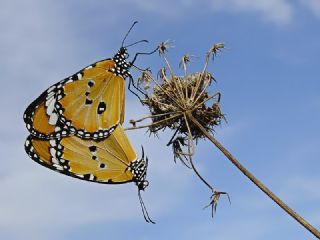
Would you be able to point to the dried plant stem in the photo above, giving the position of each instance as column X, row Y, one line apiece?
column 168, row 94
column 153, row 116
column 270, row 194
column 191, row 152
column 207, row 99
column 152, row 124
column 167, row 63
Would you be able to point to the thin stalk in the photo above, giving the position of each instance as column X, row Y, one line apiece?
column 190, row 143
column 152, row 116
column 173, row 98
column 268, row 192
column 152, row 124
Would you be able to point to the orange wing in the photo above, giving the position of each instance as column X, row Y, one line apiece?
column 41, row 118
column 78, row 109
column 112, row 160
column 91, row 102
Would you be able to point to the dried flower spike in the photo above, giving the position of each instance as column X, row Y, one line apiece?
column 177, row 98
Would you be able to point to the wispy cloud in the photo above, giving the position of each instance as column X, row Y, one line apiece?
column 276, row 11
column 312, row 5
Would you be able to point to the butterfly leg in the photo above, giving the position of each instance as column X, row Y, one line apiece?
column 131, row 81
column 143, row 53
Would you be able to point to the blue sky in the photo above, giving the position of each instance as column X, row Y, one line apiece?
column 269, row 80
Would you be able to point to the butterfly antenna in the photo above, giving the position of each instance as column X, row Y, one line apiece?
column 142, row 152
column 144, row 209
column 125, row 37
column 144, row 40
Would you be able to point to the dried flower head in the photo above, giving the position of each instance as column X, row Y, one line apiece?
column 181, row 103
column 174, row 98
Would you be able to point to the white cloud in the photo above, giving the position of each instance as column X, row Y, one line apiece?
column 276, row 11
column 279, row 12
column 313, row 6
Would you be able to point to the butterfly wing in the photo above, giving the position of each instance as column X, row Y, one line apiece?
column 91, row 102
column 41, row 118
column 106, row 161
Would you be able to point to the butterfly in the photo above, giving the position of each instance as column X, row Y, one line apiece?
column 88, row 104
column 109, row 161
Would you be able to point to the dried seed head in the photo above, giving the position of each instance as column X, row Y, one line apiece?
column 216, row 48
column 164, row 46
column 174, row 97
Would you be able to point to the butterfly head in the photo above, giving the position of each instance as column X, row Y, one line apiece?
column 121, row 56
column 142, row 185
column 123, row 53
column 139, row 171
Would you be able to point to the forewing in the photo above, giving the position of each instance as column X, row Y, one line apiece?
column 91, row 102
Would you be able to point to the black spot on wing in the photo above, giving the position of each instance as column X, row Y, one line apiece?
column 77, row 76
column 93, row 148
column 88, row 101
column 91, row 83
column 89, row 177
column 101, row 107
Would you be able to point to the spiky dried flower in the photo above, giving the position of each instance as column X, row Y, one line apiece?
column 176, row 102
column 175, row 97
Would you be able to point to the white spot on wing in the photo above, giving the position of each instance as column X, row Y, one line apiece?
column 50, row 105
column 49, row 95
column 53, row 119
column 53, row 143
column 53, row 152
column 58, row 167
column 51, row 88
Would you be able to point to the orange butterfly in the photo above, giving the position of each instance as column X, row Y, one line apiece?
column 88, row 104
column 109, row 161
